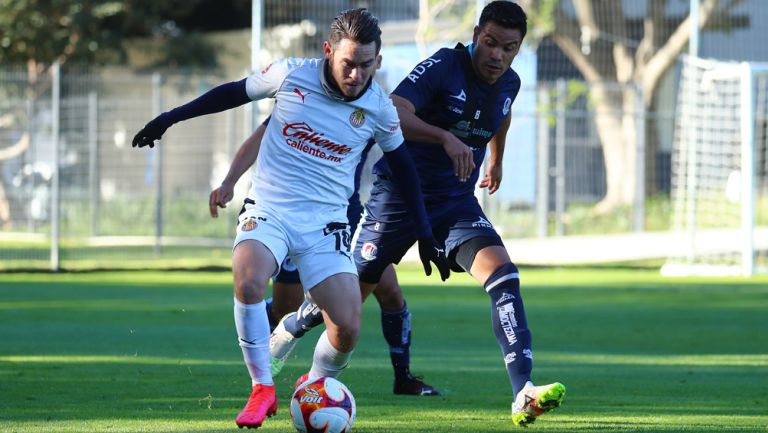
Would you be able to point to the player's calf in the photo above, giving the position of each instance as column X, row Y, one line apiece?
column 510, row 325
column 288, row 331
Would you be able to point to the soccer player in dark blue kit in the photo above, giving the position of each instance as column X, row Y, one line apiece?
column 450, row 106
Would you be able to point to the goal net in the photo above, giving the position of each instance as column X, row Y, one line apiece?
column 719, row 182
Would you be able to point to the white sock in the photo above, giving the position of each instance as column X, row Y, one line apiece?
column 327, row 361
column 253, row 335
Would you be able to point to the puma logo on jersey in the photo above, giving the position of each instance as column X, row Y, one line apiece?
column 461, row 96
column 298, row 92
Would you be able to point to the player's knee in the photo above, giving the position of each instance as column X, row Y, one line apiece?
column 506, row 272
column 344, row 316
column 346, row 332
column 349, row 335
column 250, row 290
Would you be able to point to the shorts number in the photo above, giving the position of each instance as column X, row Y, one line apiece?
column 341, row 233
column 343, row 239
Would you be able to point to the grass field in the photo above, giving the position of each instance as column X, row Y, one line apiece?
column 157, row 352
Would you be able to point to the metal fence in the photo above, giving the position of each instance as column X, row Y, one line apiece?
column 107, row 203
column 74, row 194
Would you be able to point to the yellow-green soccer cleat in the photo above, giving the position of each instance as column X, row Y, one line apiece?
column 281, row 344
column 533, row 401
column 275, row 366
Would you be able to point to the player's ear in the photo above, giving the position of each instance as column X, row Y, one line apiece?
column 475, row 34
column 378, row 62
column 327, row 48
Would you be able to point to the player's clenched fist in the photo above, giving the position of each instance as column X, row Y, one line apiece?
column 219, row 198
column 152, row 131
column 430, row 251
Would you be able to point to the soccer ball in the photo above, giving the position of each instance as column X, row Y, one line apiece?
column 323, row 405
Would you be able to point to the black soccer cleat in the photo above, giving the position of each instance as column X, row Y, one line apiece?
column 413, row 385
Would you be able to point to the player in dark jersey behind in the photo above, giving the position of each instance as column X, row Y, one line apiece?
column 451, row 107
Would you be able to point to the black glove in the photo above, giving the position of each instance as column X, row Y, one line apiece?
column 152, row 131
column 430, row 251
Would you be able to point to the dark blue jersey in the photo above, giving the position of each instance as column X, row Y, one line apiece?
column 446, row 93
column 355, row 209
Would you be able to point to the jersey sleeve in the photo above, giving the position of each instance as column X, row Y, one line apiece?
column 266, row 83
column 426, row 79
column 388, row 134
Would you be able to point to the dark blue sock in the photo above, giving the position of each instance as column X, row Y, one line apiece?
column 510, row 325
column 396, row 325
column 306, row 317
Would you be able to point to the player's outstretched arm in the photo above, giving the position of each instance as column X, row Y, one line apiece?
column 493, row 174
column 418, row 130
column 220, row 98
column 407, row 180
column 244, row 157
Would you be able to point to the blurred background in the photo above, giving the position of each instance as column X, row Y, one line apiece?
column 639, row 135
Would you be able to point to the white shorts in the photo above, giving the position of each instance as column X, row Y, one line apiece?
column 319, row 248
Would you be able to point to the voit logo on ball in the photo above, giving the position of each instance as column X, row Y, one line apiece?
column 310, row 396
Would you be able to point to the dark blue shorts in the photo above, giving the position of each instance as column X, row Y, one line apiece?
column 290, row 275
column 387, row 231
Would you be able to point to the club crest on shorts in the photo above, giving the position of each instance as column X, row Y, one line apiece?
column 357, row 118
column 249, row 224
column 368, row 251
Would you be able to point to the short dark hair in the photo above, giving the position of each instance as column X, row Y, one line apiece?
column 506, row 14
column 358, row 25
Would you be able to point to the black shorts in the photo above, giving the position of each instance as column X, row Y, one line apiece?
column 387, row 231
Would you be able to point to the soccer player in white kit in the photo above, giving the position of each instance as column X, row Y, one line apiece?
column 325, row 112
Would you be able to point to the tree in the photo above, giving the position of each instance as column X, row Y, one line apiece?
column 461, row 22
column 624, row 61
column 37, row 33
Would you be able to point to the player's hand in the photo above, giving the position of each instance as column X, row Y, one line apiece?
column 152, row 131
column 219, row 198
column 492, row 178
column 461, row 155
column 430, row 251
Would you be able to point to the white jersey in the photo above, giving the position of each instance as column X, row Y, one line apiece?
column 313, row 143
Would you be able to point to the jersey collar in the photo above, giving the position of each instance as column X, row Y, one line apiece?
column 332, row 89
